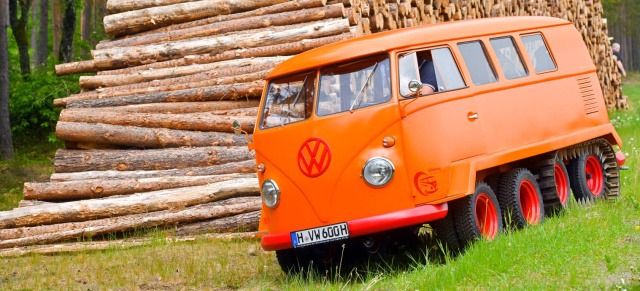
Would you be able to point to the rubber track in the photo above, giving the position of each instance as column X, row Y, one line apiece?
column 605, row 152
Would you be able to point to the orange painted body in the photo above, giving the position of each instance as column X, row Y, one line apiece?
column 439, row 152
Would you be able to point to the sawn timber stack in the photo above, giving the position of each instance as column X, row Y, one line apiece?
column 149, row 140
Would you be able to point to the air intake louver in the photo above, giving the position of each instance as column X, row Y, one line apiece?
column 588, row 95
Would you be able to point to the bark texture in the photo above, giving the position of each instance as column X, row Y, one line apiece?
column 68, row 161
column 247, row 166
column 131, row 204
column 153, row 17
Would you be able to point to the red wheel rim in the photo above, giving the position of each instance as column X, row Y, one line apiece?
column 561, row 184
column 486, row 216
column 529, row 203
column 594, row 175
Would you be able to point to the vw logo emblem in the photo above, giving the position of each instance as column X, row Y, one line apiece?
column 314, row 157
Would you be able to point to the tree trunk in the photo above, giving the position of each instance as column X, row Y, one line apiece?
column 100, row 94
column 205, row 121
column 277, row 8
column 283, row 49
column 76, row 67
column 232, row 224
column 67, row 161
column 134, row 56
column 244, row 167
column 104, row 188
column 131, row 136
column 67, row 231
column 56, row 25
column 237, row 25
column 116, row 244
column 34, row 33
column 43, row 35
column 186, row 107
column 20, row 32
column 85, row 27
column 154, row 17
column 221, row 92
column 92, row 82
column 6, row 142
column 131, row 204
column 68, row 29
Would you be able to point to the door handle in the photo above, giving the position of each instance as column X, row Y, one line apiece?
column 472, row 116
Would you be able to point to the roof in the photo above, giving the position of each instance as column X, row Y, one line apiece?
column 406, row 37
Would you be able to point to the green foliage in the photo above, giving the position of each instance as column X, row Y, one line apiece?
column 31, row 98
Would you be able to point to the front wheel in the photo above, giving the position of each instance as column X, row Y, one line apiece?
column 477, row 216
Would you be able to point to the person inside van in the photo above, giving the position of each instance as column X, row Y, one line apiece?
column 427, row 72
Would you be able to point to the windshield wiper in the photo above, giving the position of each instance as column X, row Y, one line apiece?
column 296, row 99
column 364, row 86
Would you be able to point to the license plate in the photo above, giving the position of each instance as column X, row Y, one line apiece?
column 320, row 234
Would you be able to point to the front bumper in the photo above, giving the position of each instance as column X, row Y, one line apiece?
column 369, row 225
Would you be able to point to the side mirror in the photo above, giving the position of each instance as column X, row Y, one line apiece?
column 236, row 127
column 415, row 86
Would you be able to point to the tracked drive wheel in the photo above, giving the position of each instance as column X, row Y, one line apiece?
column 563, row 187
column 477, row 216
column 520, row 198
column 587, row 177
column 446, row 233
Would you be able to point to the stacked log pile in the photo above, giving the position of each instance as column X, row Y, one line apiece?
column 149, row 140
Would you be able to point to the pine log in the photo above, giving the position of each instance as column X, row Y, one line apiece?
column 221, row 92
column 88, row 189
column 154, row 17
column 237, row 25
column 131, row 204
column 99, row 94
column 92, row 82
column 118, row 244
column 237, row 223
column 277, row 8
column 130, row 222
column 68, row 161
column 133, row 136
column 284, row 49
column 29, row 203
column 230, row 108
column 194, row 121
column 76, row 67
column 109, row 58
column 248, row 166
column 31, row 231
column 199, row 77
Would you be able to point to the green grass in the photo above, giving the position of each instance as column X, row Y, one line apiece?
column 595, row 246
column 33, row 162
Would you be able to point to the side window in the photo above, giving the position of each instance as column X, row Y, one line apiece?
column 538, row 53
column 509, row 57
column 436, row 69
column 479, row 65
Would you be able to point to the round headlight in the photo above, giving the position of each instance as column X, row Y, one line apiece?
column 270, row 193
column 378, row 171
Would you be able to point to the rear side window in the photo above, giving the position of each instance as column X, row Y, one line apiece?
column 538, row 53
column 509, row 57
column 479, row 65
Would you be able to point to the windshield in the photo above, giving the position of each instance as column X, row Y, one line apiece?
column 353, row 85
column 288, row 100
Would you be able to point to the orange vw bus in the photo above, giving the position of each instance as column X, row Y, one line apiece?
column 458, row 125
